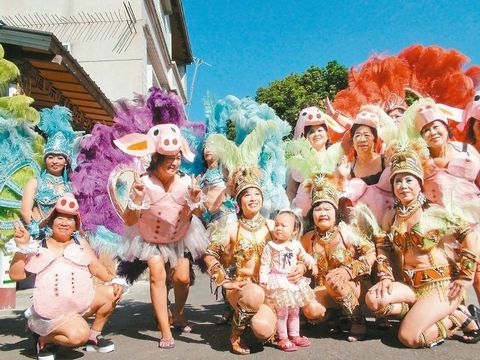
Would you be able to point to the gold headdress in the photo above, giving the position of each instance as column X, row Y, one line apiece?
column 393, row 102
column 409, row 157
column 323, row 190
column 245, row 177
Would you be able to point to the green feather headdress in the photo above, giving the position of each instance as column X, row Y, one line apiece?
column 242, row 161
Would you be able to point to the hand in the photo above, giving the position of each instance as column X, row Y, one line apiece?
column 343, row 168
column 117, row 292
column 456, row 288
column 329, row 107
column 21, row 235
column 137, row 191
column 235, row 285
column 337, row 277
column 194, row 190
column 296, row 274
column 382, row 288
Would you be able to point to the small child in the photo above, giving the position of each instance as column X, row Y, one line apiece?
column 278, row 259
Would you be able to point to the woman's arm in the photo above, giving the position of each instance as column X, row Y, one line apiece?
column 134, row 207
column 292, row 188
column 28, row 200
column 17, row 267
column 96, row 268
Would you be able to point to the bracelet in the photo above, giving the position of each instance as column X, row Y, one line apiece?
column 218, row 274
column 31, row 247
column 468, row 264
column 358, row 267
column 194, row 205
column 132, row 206
column 118, row 281
column 384, row 268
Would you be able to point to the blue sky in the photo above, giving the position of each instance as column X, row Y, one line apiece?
column 252, row 43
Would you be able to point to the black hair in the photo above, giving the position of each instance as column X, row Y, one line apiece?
column 356, row 126
column 156, row 160
column 470, row 133
column 310, row 224
column 307, row 129
column 68, row 167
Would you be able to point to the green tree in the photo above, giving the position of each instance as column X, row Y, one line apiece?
column 297, row 91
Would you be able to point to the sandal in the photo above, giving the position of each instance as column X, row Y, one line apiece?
column 286, row 345
column 469, row 336
column 166, row 343
column 301, row 341
column 475, row 311
column 358, row 332
column 238, row 347
column 183, row 328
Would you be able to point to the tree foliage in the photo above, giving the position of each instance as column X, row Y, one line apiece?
column 297, row 91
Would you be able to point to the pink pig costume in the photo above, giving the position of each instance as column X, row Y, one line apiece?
column 166, row 226
column 63, row 285
column 456, row 181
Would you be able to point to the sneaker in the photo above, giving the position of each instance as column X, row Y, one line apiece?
column 43, row 353
column 100, row 345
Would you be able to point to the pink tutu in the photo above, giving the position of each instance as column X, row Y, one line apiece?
column 283, row 293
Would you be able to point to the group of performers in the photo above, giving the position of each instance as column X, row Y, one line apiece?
column 372, row 208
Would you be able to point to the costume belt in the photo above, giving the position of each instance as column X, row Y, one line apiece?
column 420, row 277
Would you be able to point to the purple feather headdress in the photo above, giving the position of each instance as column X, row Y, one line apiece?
column 99, row 156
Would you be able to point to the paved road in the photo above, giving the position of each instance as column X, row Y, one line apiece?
column 133, row 330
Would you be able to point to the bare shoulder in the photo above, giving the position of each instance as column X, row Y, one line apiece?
column 306, row 240
column 387, row 220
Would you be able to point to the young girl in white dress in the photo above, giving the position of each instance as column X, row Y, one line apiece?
column 279, row 256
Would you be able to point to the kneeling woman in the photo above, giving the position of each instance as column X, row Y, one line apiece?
column 430, row 295
column 64, row 293
column 242, row 246
column 343, row 257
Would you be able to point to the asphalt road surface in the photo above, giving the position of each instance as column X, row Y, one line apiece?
column 133, row 330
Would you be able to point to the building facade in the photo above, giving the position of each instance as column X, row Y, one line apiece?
column 125, row 46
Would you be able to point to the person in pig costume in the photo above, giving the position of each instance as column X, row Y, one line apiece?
column 161, row 218
column 64, row 294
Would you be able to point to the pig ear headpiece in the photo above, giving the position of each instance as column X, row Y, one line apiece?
column 312, row 116
column 164, row 139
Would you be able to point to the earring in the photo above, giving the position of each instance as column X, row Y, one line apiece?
column 396, row 202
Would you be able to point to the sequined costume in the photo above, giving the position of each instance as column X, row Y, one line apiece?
column 214, row 178
column 349, row 252
column 49, row 189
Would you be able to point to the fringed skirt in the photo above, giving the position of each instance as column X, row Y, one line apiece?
column 195, row 242
column 282, row 293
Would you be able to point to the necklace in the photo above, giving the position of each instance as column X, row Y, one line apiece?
column 252, row 224
column 405, row 211
column 327, row 236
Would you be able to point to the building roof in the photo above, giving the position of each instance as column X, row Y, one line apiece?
column 51, row 76
column 181, row 51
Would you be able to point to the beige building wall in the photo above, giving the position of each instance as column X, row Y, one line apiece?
column 120, row 44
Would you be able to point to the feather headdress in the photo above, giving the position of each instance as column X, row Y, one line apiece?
column 426, row 70
column 242, row 161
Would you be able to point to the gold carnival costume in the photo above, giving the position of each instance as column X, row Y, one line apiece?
column 436, row 233
column 350, row 250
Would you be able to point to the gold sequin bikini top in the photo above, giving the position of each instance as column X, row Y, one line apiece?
column 414, row 239
column 339, row 256
column 246, row 248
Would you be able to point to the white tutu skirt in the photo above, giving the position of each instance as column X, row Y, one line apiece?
column 194, row 242
column 43, row 326
column 282, row 293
